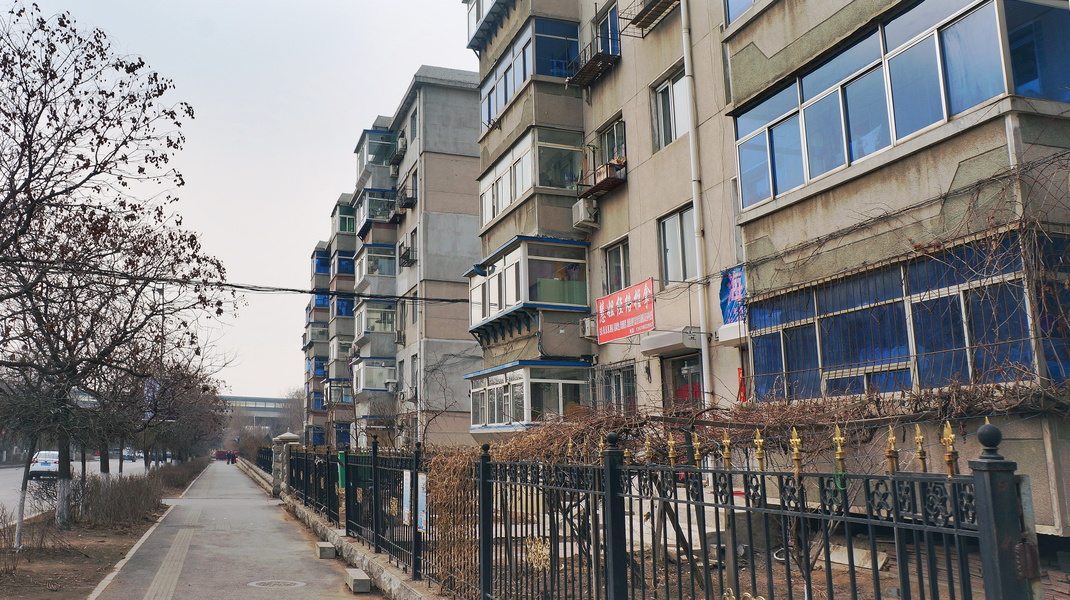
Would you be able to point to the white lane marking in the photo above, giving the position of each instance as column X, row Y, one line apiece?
column 119, row 565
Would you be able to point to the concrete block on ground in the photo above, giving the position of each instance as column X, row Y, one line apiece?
column 358, row 581
column 325, row 550
column 839, row 555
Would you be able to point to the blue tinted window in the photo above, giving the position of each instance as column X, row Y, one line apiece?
column 323, row 300
column 556, row 45
column 555, row 28
column 973, row 64
column 754, row 171
column 781, row 310
column 840, row 67
column 964, row 264
column 867, row 115
column 318, row 438
column 940, row 342
column 317, row 401
column 343, row 307
column 319, row 366
column 916, row 88
column 768, row 111
column 846, row 386
column 800, row 362
column 341, row 433
column 345, row 265
column 768, row 367
column 322, row 263
column 872, row 336
column 1039, row 49
column 824, row 135
column 787, row 155
column 1055, row 253
column 860, row 290
column 923, row 16
column 885, row 382
column 999, row 329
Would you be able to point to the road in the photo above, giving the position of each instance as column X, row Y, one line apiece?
column 11, row 478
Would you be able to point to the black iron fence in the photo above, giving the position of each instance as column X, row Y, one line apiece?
column 264, row 458
column 614, row 530
column 313, row 479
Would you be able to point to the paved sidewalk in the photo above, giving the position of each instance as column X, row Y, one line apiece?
column 225, row 539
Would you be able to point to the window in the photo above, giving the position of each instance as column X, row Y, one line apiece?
column 375, row 318
column 413, row 123
column 377, row 259
column 559, row 158
column 321, row 262
column 556, row 45
column 678, row 253
column 507, row 180
column 372, row 374
column 615, row 388
column 319, row 366
column 343, row 263
column 527, row 395
column 345, row 221
column 322, row 300
column 609, row 33
column 610, row 147
column 414, row 313
column 671, row 110
column 530, row 272
column 414, row 364
column 735, row 8
column 684, row 381
column 1039, row 46
column 341, row 307
column 317, row 401
column 923, row 324
column 915, row 70
column 414, row 185
column 617, row 269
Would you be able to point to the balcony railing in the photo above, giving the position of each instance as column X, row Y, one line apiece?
column 603, row 179
column 595, row 60
column 643, row 15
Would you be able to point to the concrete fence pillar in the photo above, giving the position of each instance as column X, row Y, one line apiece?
column 280, row 462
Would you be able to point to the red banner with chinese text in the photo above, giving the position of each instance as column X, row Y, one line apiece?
column 627, row 312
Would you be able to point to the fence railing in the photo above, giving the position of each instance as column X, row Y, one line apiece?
column 264, row 458
column 614, row 530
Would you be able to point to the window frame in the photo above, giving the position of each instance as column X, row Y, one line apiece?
column 493, row 397
column 508, row 274
column 686, row 232
column 666, row 111
column 623, row 263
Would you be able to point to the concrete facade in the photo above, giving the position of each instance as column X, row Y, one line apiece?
column 395, row 351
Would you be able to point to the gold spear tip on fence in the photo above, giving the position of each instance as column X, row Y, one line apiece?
column 795, row 441
column 838, row 440
column 987, row 422
column 919, row 438
column 949, row 436
column 727, row 441
column 698, row 451
column 891, row 438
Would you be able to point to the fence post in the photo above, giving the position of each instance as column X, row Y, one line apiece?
column 377, row 516
column 998, row 519
column 417, row 542
column 613, row 511
column 280, row 462
column 486, row 524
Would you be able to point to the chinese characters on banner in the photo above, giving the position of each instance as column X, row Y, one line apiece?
column 627, row 312
column 733, row 290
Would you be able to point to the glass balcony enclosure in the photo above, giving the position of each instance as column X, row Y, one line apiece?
column 531, row 272
column 373, row 317
column 372, row 374
column 376, row 147
column 374, row 206
column 547, row 158
column 529, row 394
column 376, row 259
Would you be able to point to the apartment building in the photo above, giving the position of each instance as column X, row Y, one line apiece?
column 393, row 316
column 903, row 196
column 851, row 203
column 588, row 154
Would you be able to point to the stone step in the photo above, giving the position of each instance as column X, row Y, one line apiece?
column 358, row 581
column 325, row 550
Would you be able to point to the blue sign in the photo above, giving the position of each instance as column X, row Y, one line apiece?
column 733, row 289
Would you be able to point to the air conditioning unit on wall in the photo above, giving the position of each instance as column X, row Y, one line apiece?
column 585, row 214
column 589, row 328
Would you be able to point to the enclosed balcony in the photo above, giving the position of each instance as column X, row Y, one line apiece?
column 374, row 206
column 376, row 268
column 314, row 334
column 483, row 18
column 374, row 151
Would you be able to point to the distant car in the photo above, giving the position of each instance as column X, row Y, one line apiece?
column 45, row 464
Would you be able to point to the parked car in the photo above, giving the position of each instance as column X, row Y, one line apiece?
column 45, row 464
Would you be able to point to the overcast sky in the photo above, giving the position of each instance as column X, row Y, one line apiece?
column 281, row 91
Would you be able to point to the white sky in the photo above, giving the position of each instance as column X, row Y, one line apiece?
column 281, row 91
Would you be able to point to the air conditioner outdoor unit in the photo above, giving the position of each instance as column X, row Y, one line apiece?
column 585, row 214
column 403, row 145
column 391, row 385
column 589, row 328
column 393, row 170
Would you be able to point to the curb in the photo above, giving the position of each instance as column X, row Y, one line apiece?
column 388, row 579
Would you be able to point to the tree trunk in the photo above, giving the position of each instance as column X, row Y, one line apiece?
column 63, row 483
column 21, row 513
column 122, row 445
column 105, row 460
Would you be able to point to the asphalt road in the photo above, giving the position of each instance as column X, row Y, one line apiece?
column 226, row 540
column 11, row 479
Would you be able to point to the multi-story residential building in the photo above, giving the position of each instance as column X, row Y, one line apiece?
column 903, row 202
column 888, row 178
column 386, row 344
column 589, row 151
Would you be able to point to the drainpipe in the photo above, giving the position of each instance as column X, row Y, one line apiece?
column 696, row 202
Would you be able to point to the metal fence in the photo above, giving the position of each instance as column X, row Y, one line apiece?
column 614, row 530
column 264, row 458
column 313, row 479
